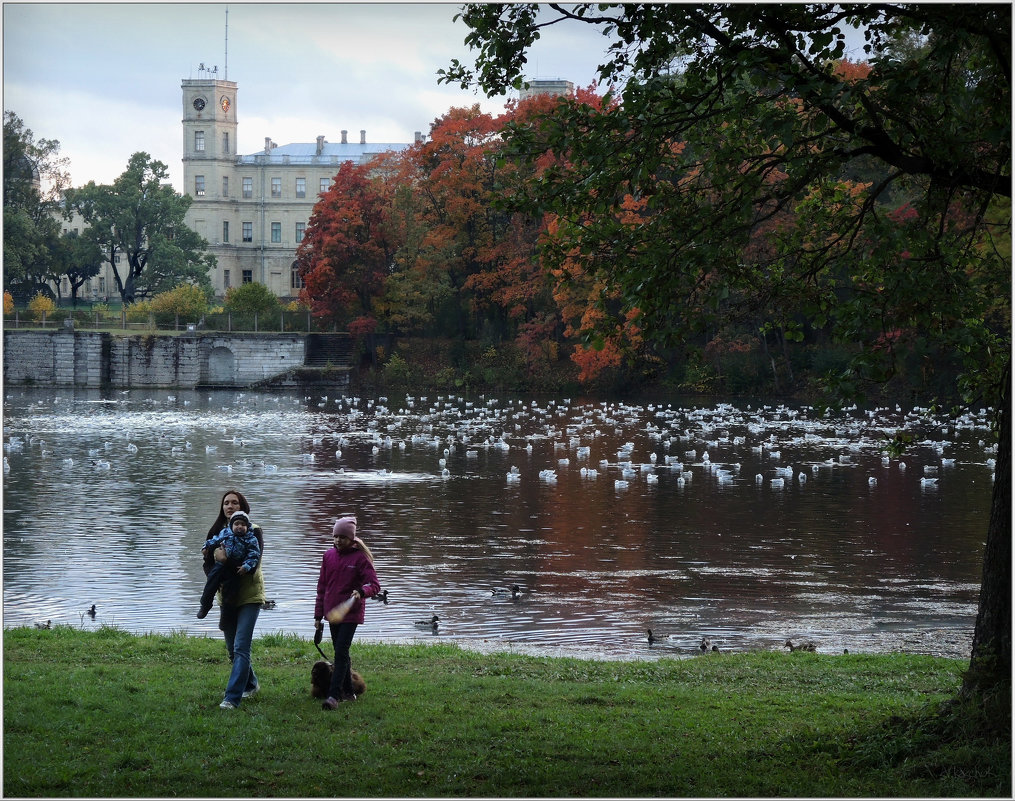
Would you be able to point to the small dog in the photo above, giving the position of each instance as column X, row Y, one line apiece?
column 320, row 680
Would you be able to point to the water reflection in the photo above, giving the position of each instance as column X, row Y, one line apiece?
column 748, row 524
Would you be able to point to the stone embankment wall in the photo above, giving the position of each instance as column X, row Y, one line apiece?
column 94, row 359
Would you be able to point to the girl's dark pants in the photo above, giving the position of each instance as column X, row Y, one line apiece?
column 341, row 677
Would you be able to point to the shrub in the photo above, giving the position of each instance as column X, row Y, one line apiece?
column 252, row 298
column 8, row 304
column 138, row 312
column 41, row 305
column 397, row 370
column 187, row 301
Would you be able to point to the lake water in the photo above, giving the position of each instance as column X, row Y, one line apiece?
column 665, row 516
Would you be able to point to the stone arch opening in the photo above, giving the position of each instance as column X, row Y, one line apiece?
column 221, row 366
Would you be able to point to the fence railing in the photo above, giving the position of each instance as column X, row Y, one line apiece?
column 274, row 322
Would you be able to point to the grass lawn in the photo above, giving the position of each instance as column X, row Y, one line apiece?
column 106, row 713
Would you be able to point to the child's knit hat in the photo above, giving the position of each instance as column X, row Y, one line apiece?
column 235, row 515
column 345, row 525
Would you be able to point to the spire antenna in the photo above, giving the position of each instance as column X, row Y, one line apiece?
column 227, row 44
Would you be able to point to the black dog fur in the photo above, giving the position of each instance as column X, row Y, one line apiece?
column 320, row 680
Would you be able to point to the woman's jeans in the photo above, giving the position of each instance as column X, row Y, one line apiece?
column 237, row 624
column 341, row 676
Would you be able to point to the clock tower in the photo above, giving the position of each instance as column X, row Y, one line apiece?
column 209, row 135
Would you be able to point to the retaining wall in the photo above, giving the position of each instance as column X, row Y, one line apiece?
column 94, row 359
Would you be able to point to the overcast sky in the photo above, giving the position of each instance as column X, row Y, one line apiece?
column 104, row 79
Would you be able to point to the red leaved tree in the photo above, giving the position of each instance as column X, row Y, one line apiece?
column 346, row 253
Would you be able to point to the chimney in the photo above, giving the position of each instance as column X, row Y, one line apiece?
column 419, row 137
column 362, row 137
column 345, row 141
column 320, row 145
column 267, row 145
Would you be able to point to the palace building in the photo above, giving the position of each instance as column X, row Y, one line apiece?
column 253, row 209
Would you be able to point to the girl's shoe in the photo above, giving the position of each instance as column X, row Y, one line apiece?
column 227, row 705
column 329, row 703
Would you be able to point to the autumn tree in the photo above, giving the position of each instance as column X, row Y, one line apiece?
column 346, row 253
column 774, row 130
column 140, row 217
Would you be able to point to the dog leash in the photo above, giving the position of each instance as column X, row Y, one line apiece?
column 318, row 634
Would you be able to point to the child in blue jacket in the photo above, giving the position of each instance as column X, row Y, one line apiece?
column 242, row 556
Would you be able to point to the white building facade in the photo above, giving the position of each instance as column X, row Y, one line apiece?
column 253, row 209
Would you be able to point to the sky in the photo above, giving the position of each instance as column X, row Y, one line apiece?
column 104, row 78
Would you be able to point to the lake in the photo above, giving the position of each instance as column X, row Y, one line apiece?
column 747, row 523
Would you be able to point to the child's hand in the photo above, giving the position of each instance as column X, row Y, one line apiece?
column 241, row 570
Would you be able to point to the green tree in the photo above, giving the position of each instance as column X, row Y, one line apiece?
column 740, row 144
column 78, row 258
column 33, row 177
column 141, row 218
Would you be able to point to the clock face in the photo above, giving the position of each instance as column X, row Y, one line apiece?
column 199, row 103
column 224, row 102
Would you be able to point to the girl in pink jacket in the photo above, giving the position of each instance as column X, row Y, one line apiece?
column 347, row 570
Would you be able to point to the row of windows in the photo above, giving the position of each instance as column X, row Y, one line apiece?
column 247, row 231
column 247, row 276
column 248, row 186
column 199, row 141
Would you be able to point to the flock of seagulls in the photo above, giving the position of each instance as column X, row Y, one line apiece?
column 682, row 442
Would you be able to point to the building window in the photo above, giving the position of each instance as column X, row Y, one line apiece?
column 102, row 285
column 301, row 187
column 276, row 233
column 325, row 183
column 225, row 142
column 225, row 231
column 248, row 232
column 199, row 141
column 248, row 276
column 248, row 187
column 276, row 187
column 301, row 229
column 225, row 186
column 295, row 279
column 199, row 186
column 225, row 279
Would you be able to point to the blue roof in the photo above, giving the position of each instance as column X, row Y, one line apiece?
column 306, row 153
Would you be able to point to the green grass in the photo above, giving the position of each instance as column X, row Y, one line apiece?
column 107, row 713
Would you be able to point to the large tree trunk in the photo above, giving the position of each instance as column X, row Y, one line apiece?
column 990, row 664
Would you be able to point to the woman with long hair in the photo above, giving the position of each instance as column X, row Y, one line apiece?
column 240, row 610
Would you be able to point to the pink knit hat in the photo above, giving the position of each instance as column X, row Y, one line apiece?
column 345, row 525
